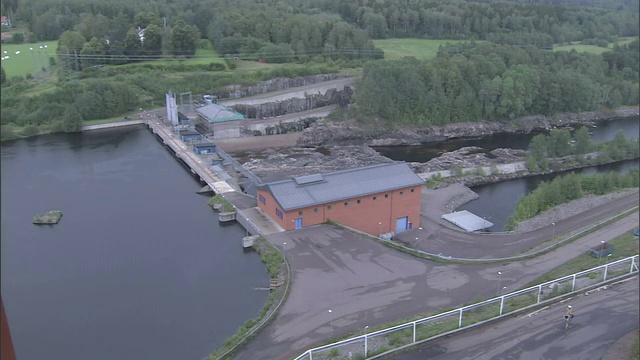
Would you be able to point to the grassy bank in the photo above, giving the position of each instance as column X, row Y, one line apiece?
column 626, row 245
column 592, row 49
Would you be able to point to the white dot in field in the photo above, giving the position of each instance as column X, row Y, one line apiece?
column 17, row 52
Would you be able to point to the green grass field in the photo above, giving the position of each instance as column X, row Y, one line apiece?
column 26, row 61
column 395, row 49
column 202, row 56
column 592, row 49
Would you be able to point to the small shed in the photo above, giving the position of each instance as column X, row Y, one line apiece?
column 203, row 149
column 190, row 136
column 467, row 220
column 183, row 119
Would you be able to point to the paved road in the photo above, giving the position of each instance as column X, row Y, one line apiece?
column 365, row 283
column 438, row 236
column 601, row 318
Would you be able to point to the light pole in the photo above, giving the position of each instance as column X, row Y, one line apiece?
column 379, row 228
column 331, row 322
column 499, row 278
column 601, row 251
column 247, row 226
column 553, row 231
column 503, row 290
column 284, row 254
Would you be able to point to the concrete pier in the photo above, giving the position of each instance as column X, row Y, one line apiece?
column 192, row 160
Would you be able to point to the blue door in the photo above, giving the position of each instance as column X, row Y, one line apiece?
column 401, row 224
column 298, row 223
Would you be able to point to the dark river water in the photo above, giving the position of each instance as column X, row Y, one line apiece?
column 137, row 268
column 604, row 131
column 498, row 201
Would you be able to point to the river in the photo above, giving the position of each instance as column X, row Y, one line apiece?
column 498, row 201
column 137, row 268
column 604, row 131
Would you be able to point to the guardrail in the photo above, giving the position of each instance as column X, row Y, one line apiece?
column 517, row 257
column 388, row 340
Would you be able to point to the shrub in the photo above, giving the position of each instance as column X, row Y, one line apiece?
column 30, row 130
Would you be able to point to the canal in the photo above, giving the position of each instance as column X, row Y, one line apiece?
column 137, row 268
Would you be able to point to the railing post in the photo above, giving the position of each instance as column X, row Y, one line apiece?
column 414, row 331
column 310, row 355
column 573, row 284
column 365, row 345
column 460, row 321
column 539, row 293
column 606, row 268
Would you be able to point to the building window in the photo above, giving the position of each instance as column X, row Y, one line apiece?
column 346, row 203
column 329, row 207
column 358, row 201
column 386, row 196
column 315, row 210
column 412, row 190
column 262, row 199
column 279, row 214
column 375, row 198
column 401, row 192
column 300, row 212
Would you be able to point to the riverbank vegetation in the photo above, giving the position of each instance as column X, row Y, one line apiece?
column 550, row 152
column 565, row 188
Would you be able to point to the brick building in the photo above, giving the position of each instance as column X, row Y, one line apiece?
column 374, row 199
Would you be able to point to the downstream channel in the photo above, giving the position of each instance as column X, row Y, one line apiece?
column 137, row 268
column 498, row 201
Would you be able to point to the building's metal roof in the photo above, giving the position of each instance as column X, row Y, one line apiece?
column 467, row 220
column 217, row 113
column 319, row 189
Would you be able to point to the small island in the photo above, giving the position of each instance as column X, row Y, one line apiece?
column 50, row 217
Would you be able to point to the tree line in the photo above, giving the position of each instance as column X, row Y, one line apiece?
column 485, row 81
column 564, row 189
column 503, row 22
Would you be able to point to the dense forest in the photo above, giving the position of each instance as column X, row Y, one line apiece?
column 302, row 28
column 477, row 81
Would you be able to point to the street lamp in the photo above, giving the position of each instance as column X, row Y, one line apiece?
column 331, row 322
column 284, row 254
column 503, row 290
column 379, row 228
column 553, row 231
column 601, row 251
column 499, row 278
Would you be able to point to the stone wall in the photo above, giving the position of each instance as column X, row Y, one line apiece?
column 238, row 91
column 294, row 105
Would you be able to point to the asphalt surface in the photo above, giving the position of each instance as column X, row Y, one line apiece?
column 601, row 318
column 366, row 284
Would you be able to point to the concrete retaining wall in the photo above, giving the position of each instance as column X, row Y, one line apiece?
column 112, row 125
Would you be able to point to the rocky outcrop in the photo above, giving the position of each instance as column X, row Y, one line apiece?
column 271, row 165
column 379, row 135
column 290, row 106
column 238, row 91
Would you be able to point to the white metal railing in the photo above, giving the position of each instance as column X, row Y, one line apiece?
column 400, row 336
